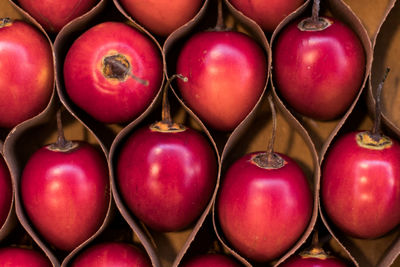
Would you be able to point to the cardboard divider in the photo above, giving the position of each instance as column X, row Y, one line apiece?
column 104, row 11
column 8, row 225
column 117, row 230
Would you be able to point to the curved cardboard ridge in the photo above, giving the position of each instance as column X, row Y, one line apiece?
column 106, row 133
column 11, row 220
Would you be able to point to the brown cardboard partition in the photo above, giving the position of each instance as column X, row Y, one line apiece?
column 307, row 141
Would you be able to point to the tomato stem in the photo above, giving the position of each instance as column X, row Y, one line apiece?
column 270, row 149
column 61, row 144
column 220, row 26
column 376, row 131
column 315, row 11
column 166, row 109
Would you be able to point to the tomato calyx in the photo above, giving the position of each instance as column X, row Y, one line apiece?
column 314, row 23
column 117, row 66
column 5, row 22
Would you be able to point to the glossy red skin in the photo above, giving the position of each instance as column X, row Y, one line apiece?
column 360, row 188
column 226, row 74
column 162, row 17
column 53, row 15
column 211, row 260
column 263, row 212
column 319, row 73
column 26, row 76
column 298, row 261
column 267, row 14
column 66, row 194
column 114, row 254
column 166, row 179
column 22, row 257
column 5, row 191
column 109, row 100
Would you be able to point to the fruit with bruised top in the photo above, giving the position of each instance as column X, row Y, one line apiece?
column 113, row 72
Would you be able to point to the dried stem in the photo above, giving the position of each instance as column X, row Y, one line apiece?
column 315, row 11
column 61, row 141
column 378, row 106
column 270, row 149
column 166, row 110
column 220, row 20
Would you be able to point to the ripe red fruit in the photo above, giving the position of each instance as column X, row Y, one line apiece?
column 65, row 192
column 5, row 191
column 360, row 184
column 318, row 69
column 119, row 68
column 27, row 75
column 263, row 210
column 211, row 260
column 226, row 73
column 161, row 17
column 53, row 15
column 166, row 177
column 267, row 14
column 22, row 257
column 112, row 254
